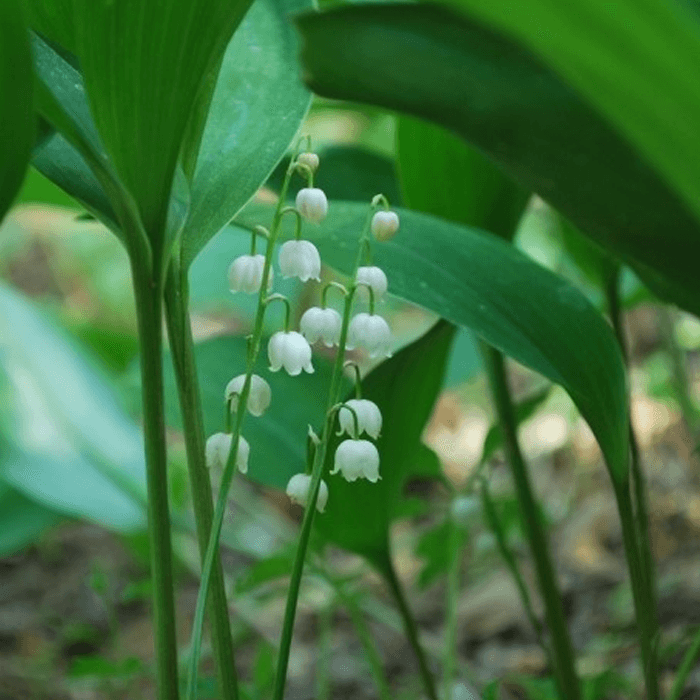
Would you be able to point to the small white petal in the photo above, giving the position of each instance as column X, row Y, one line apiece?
column 291, row 351
column 369, row 418
column 310, row 160
column 217, row 450
column 298, row 491
column 259, row 396
column 357, row 459
column 312, row 204
column 246, row 272
column 321, row 324
column 384, row 225
column 370, row 332
column 373, row 277
column 300, row 259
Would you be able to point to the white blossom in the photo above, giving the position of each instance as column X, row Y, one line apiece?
column 246, row 272
column 217, row 450
column 300, row 259
column 371, row 332
column 259, row 396
column 291, row 351
column 384, row 225
column 310, row 160
column 312, row 204
column 357, row 459
column 373, row 277
column 369, row 418
column 298, row 491
column 321, row 324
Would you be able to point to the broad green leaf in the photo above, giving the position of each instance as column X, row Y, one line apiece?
column 257, row 107
column 17, row 123
column 405, row 388
column 477, row 280
column 442, row 175
column 635, row 64
column 278, row 438
column 146, row 67
column 66, row 443
column 22, row 521
column 517, row 111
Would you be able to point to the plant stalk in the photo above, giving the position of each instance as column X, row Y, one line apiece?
column 689, row 660
column 149, row 313
column 563, row 654
column 182, row 350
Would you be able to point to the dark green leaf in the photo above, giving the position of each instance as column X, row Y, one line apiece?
column 22, row 521
column 17, row 123
column 405, row 388
column 256, row 110
column 436, row 64
column 65, row 441
column 478, row 280
column 442, row 175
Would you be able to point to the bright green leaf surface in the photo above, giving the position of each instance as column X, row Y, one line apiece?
column 257, row 107
column 66, row 442
column 22, row 521
column 442, row 175
column 475, row 279
column 17, row 124
column 405, row 388
column 146, row 67
column 435, row 64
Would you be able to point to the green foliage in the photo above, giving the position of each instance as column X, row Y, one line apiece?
column 22, row 521
column 17, row 122
column 405, row 388
column 512, row 107
column 477, row 280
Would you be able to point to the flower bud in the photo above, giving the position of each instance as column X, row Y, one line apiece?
column 310, row 160
column 357, row 459
column 300, row 259
column 246, row 272
column 384, row 225
column 369, row 418
column 321, row 324
column 298, row 491
column 291, row 351
column 259, row 396
column 371, row 332
column 312, row 204
column 373, row 277
column 217, row 450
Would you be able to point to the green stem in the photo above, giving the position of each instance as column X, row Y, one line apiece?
column 456, row 542
column 182, row 350
column 410, row 627
column 507, row 555
column 687, row 665
column 563, row 654
column 149, row 317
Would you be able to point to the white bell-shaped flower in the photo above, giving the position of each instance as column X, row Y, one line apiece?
column 370, row 332
column 321, row 324
column 291, row 351
column 312, row 204
column 217, row 450
column 373, row 277
column 357, row 459
column 369, row 418
column 298, row 491
column 310, row 160
column 384, row 225
column 246, row 272
column 300, row 259
column 259, row 396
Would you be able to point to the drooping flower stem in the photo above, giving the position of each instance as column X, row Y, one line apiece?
column 563, row 654
column 149, row 311
column 182, row 350
column 227, row 476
